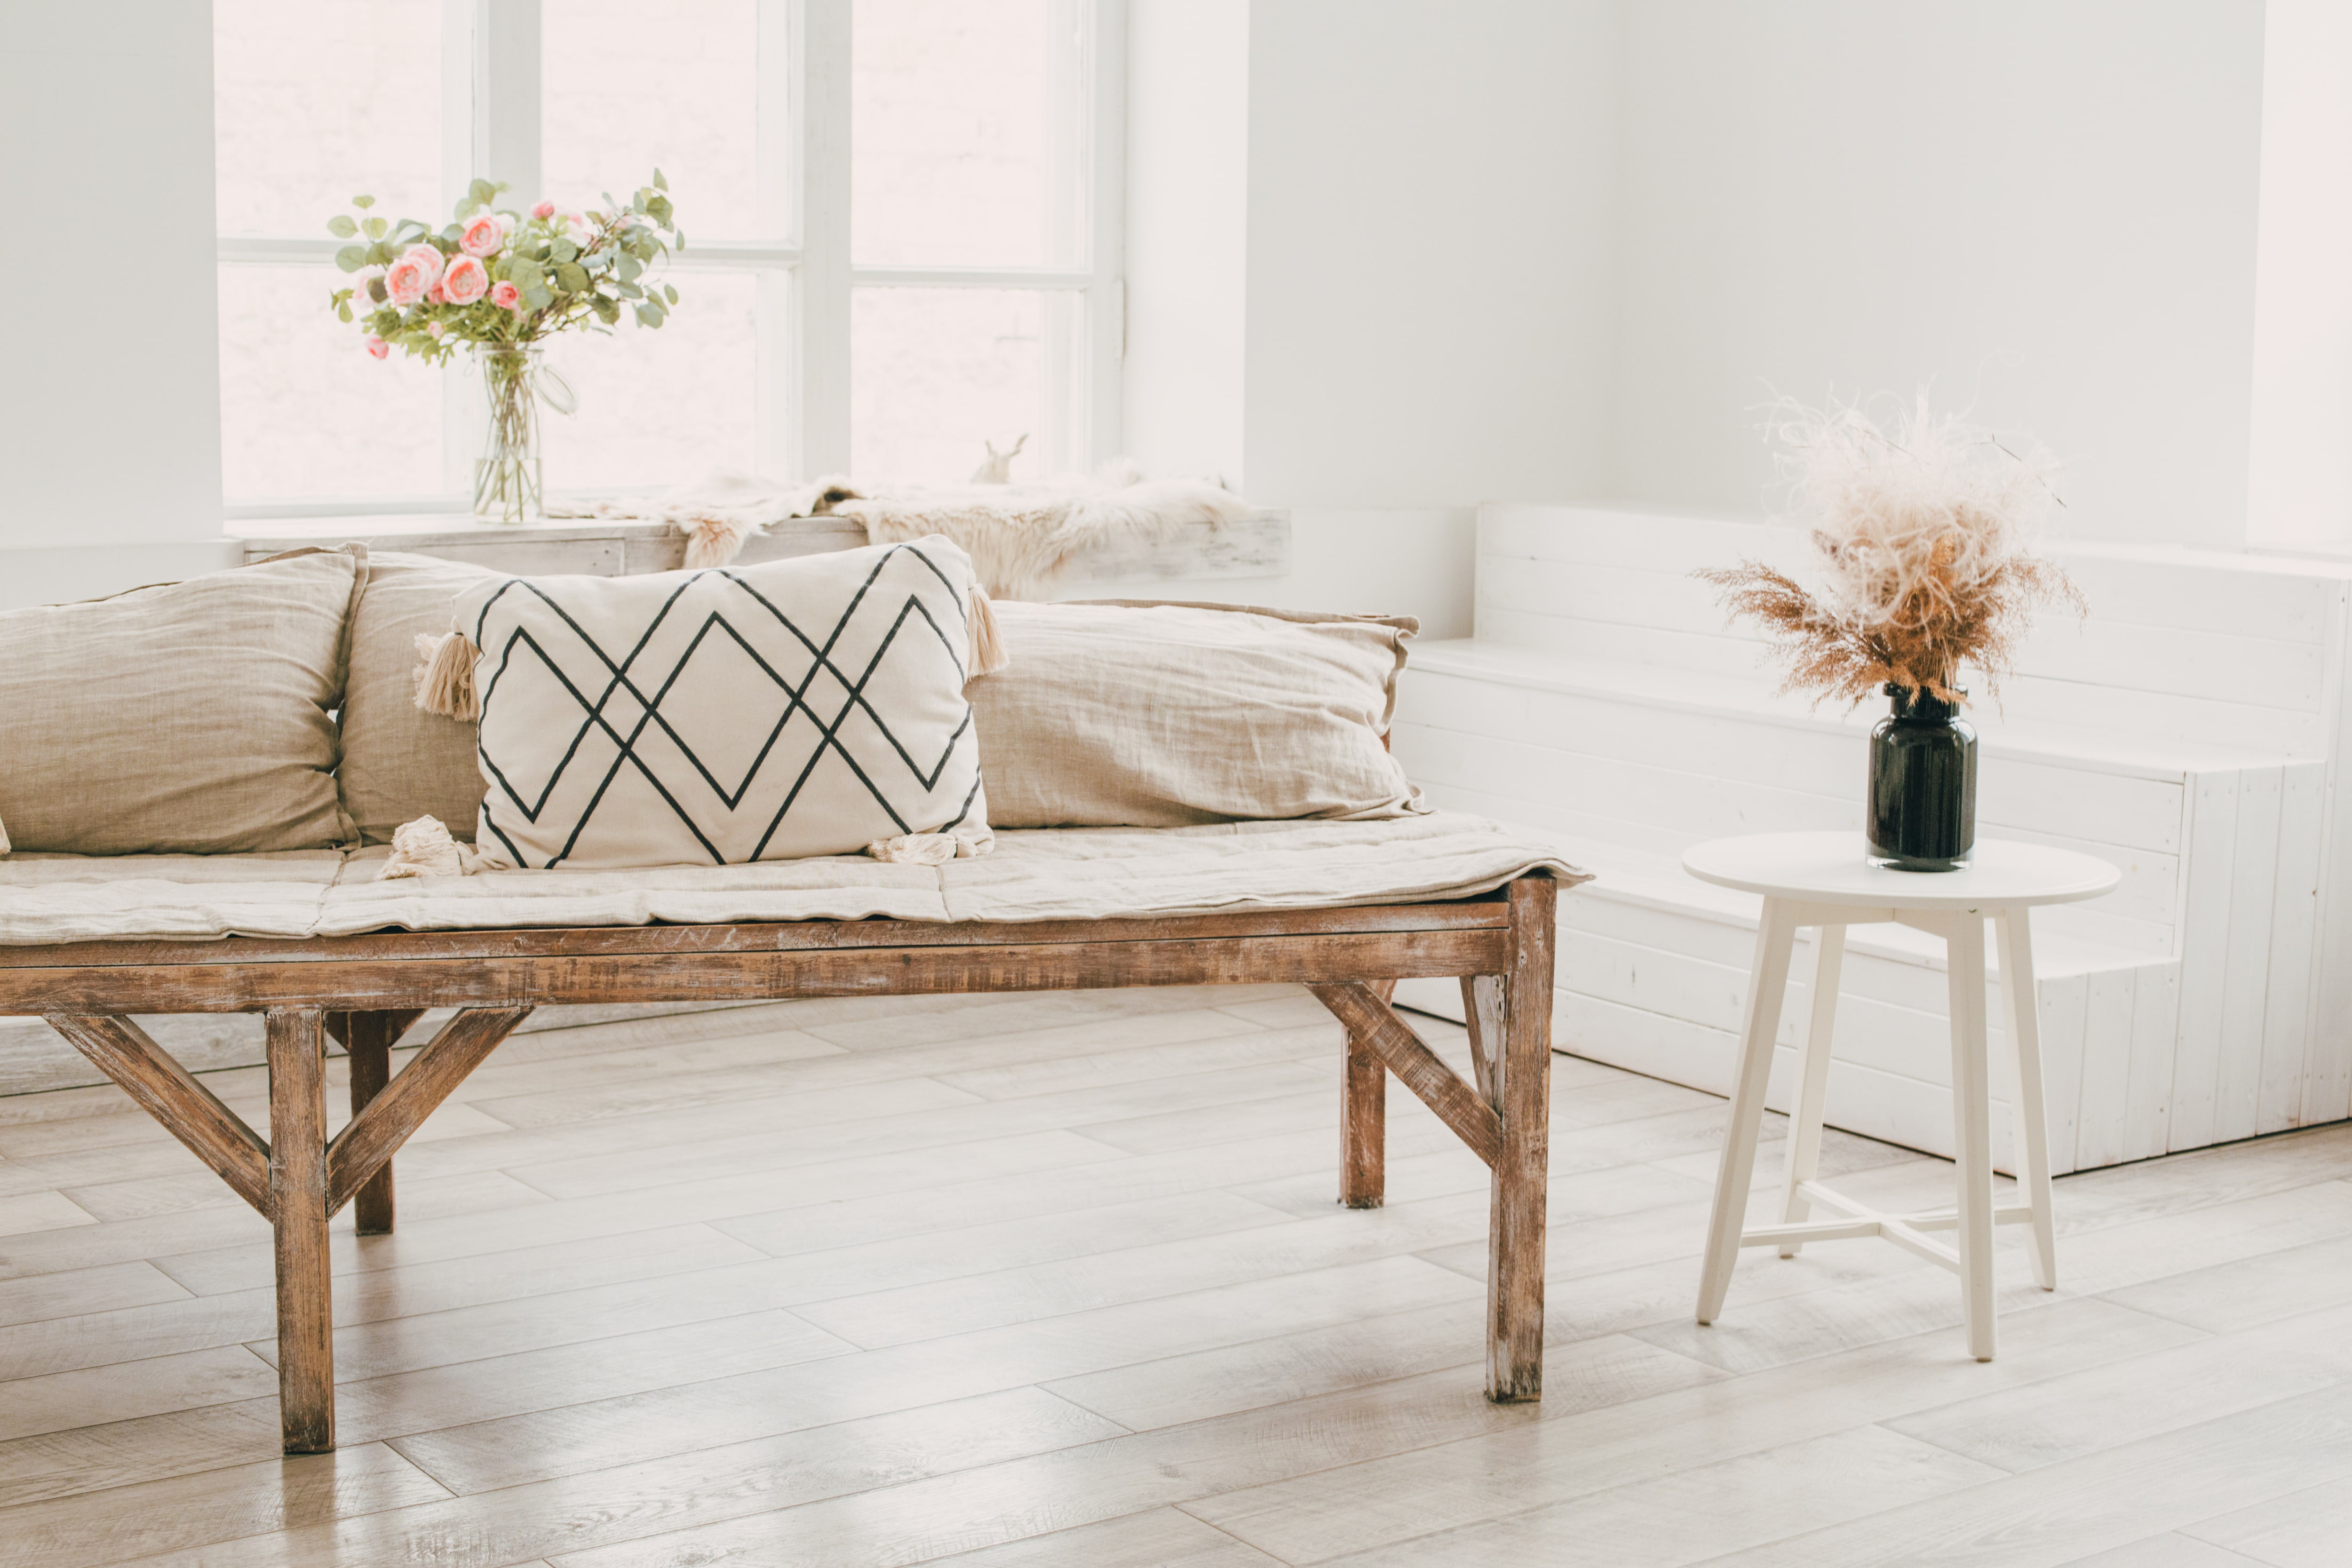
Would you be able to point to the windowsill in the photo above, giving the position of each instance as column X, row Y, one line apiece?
column 252, row 516
column 1258, row 546
column 590, row 546
column 456, row 526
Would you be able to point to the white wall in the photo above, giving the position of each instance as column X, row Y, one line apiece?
column 1391, row 257
column 1370, row 248
column 1187, row 223
column 1430, row 194
column 109, row 431
column 1857, row 194
column 2299, row 489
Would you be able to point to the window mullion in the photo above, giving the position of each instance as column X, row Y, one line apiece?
column 1105, row 302
column 490, row 131
column 821, row 324
column 777, row 397
column 506, row 131
column 1072, row 36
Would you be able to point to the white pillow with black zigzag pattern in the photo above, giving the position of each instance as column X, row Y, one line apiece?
column 802, row 707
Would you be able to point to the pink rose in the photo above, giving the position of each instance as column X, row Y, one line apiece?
column 406, row 281
column 575, row 226
column 429, row 260
column 437, row 295
column 467, row 280
column 505, row 297
column 377, row 346
column 544, row 210
column 436, row 327
column 482, row 236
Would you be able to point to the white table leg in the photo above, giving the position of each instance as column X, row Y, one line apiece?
column 2032, row 1152
column 1964, row 939
column 1812, row 1081
column 1767, row 982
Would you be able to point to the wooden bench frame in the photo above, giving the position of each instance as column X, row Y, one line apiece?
column 366, row 990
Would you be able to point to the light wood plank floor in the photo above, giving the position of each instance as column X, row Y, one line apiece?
column 1058, row 1280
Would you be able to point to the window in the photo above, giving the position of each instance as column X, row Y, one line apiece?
column 902, row 224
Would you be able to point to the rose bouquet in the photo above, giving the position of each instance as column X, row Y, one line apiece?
column 500, row 283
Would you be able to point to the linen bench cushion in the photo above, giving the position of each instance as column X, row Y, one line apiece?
column 400, row 762
column 190, row 716
column 1117, row 714
column 1124, row 713
column 1038, row 874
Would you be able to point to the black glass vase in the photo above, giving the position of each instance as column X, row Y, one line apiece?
column 1922, row 784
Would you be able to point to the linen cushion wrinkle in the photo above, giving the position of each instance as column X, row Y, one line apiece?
column 801, row 707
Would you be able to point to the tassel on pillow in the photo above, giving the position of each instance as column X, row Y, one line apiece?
column 444, row 676
column 988, row 651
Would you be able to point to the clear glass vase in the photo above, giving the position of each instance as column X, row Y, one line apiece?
column 506, row 475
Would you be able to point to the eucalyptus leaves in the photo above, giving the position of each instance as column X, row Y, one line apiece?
column 498, row 279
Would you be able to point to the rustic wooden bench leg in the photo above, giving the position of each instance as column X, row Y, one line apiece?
column 1364, row 1120
column 1522, row 1097
column 298, row 1204
column 369, row 1040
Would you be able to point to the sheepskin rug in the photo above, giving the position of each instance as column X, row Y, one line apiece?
column 1020, row 536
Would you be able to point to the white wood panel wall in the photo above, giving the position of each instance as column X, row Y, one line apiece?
column 2240, row 657
column 2327, row 1077
column 2108, row 1035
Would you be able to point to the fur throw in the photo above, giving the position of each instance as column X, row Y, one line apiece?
column 1020, row 537
column 716, row 513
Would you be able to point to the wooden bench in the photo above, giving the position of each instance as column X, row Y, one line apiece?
column 366, row 990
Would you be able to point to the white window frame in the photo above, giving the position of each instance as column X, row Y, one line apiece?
column 490, row 96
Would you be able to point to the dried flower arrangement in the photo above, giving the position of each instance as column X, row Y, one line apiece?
column 1925, row 534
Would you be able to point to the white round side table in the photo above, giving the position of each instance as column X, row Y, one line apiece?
column 1824, row 880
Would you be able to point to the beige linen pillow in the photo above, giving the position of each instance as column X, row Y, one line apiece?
column 400, row 762
column 1119, row 713
column 190, row 718
column 809, row 706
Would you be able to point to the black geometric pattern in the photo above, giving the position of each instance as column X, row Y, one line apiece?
column 800, row 707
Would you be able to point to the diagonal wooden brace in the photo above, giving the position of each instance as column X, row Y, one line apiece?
column 1485, row 1013
column 1418, row 1068
column 188, row 1110
column 376, row 1134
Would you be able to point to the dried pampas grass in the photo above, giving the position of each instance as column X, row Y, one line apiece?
column 1924, row 535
